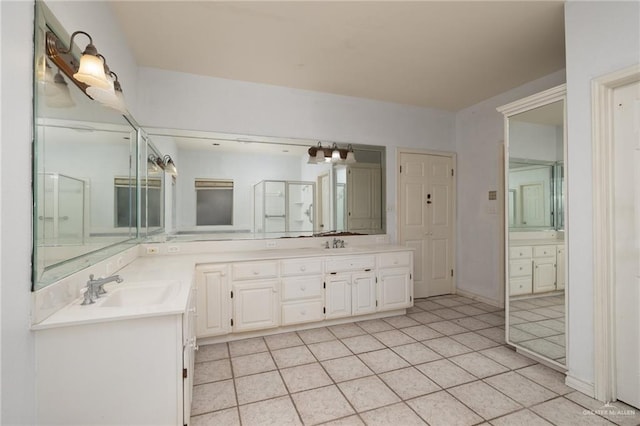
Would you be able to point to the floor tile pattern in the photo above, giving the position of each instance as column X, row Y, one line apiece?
column 444, row 363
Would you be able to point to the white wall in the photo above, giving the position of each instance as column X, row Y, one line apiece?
column 479, row 139
column 16, row 35
column 184, row 101
column 601, row 37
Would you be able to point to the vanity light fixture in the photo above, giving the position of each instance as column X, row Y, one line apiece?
column 154, row 164
column 91, row 68
column 170, row 166
column 60, row 96
column 111, row 97
column 319, row 154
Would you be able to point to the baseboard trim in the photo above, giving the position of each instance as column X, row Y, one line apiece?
column 580, row 385
column 487, row 300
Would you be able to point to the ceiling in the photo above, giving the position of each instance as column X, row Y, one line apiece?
column 446, row 55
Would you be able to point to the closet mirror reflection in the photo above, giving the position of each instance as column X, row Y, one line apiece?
column 535, row 224
column 251, row 187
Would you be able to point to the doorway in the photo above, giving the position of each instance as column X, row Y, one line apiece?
column 426, row 218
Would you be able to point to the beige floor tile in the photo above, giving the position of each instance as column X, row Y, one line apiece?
column 553, row 324
column 316, row 335
column 528, row 316
column 212, row 352
column 305, row 377
column 409, row 383
column 360, row 344
column 413, row 309
column 368, row 393
column 471, row 323
column 421, row 332
column 447, row 328
column 247, row 346
column 445, row 373
column 374, row 326
column 617, row 412
column 561, row 411
column 329, row 350
column 211, row 371
column 424, row 318
column 228, row 417
column 469, row 310
column 212, row 397
column 259, row 387
column 447, row 347
column 383, row 360
column 494, row 333
column 448, row 314
column 441, row 409
column 397, row 414
column 401, row 321
column 393, row 338
column 321, row 405
column 520, row 389
column 536, row 329
column 283, row 340
column 427, row 305
column 545, row 348
column 507, row 357
column 484, row 400
column 491, row 318
column 275, row 412
column 521, row 418
column 346, row 421
column 447, row 301
column 489, row 308
column 474, row 341
column 478, row 364
column 346, row 330
column 558, row 339
column 252, row 364
column 290, row 357
column 347, row 368
column 517, row 336
column 545, row 376
column 416, row 353
column 463, row 300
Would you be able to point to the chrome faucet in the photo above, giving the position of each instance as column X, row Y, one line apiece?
column 338, row 243
column 95, row 288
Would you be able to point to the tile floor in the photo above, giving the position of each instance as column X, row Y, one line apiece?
column 537, row 323
column 444, row 363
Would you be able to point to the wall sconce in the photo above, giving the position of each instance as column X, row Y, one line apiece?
column 92, row 76
column 154, row 164
column 170, row 166
column 334, row 154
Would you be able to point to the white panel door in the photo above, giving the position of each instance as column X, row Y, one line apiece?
column 363, row 293
column 533, row 204
column 256, row 305
column 213, row 301
column 338, row 296
column 627, row 241
column 426, row 220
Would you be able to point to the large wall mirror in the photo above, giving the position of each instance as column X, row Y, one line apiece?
column 248, row 187
column 85, row 179
column 535, row 224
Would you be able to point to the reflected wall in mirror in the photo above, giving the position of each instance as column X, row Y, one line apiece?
column 82, row 168
column 534, row 224
column 247, row 187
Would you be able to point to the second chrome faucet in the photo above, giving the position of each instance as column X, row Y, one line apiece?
column 95, row 288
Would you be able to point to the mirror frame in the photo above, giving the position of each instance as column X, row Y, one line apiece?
column 546, row 97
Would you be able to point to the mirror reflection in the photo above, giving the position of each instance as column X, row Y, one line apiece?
column 535, row 215
column 241, row 187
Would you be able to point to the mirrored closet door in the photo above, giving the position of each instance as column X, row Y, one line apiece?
column 535, row 231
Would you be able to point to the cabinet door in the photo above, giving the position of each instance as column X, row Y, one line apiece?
column 363, row 293
column 188, row 356
column 560, row 268
column 213, row 301
column 544, row 275
column 255, row 305
column 338, row 296
column 395, row 289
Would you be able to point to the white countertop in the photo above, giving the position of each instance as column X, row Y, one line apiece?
column 180, row 268
column 534, row 242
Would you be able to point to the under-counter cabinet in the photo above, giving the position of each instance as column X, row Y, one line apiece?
column 350, row 286
column 536, row 269
column 214, row 295
column 544, row 268
column 302, row 293
column 254, row 291
column 395, row 280
column 129, row 371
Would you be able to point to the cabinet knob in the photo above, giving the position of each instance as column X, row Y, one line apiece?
column 192, row 309
column 303, row 268
column 303, row 288
column 256, row 272
column 303, row 313
column 395, row 262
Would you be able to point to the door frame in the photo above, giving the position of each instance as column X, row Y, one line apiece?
column 602, row 88
column 454, row 222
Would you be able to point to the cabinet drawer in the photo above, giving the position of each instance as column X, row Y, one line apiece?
column 353, row 263
column 520, row 286
column 301, row 288
column 390, row 260
column 251, row 270
column 294, row 313
column 519, row 252
column 544, row 251
column 520, row 268
column 306, row 266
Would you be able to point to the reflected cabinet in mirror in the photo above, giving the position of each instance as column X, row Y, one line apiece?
column 252, row 187
column 535, row 249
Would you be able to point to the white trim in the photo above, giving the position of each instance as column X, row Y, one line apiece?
column 603, row 249
column 536, row 100
column 486, row 300
column 580, row 385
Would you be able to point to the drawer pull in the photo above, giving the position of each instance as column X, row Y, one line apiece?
column 395, row 261
column 303, row 313
column 303, row 268
column 303, row 288
column 256, row 272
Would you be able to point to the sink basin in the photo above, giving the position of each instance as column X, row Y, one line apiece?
column 141, row 294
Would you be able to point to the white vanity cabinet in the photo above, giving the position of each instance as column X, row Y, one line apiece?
column 126, row 371
column 254, row 293
column 544, row 268
column 214, row 300
column 395, row 280
column 560, row 267
column 351, row 286
column 302, row 293
column 536, row 268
